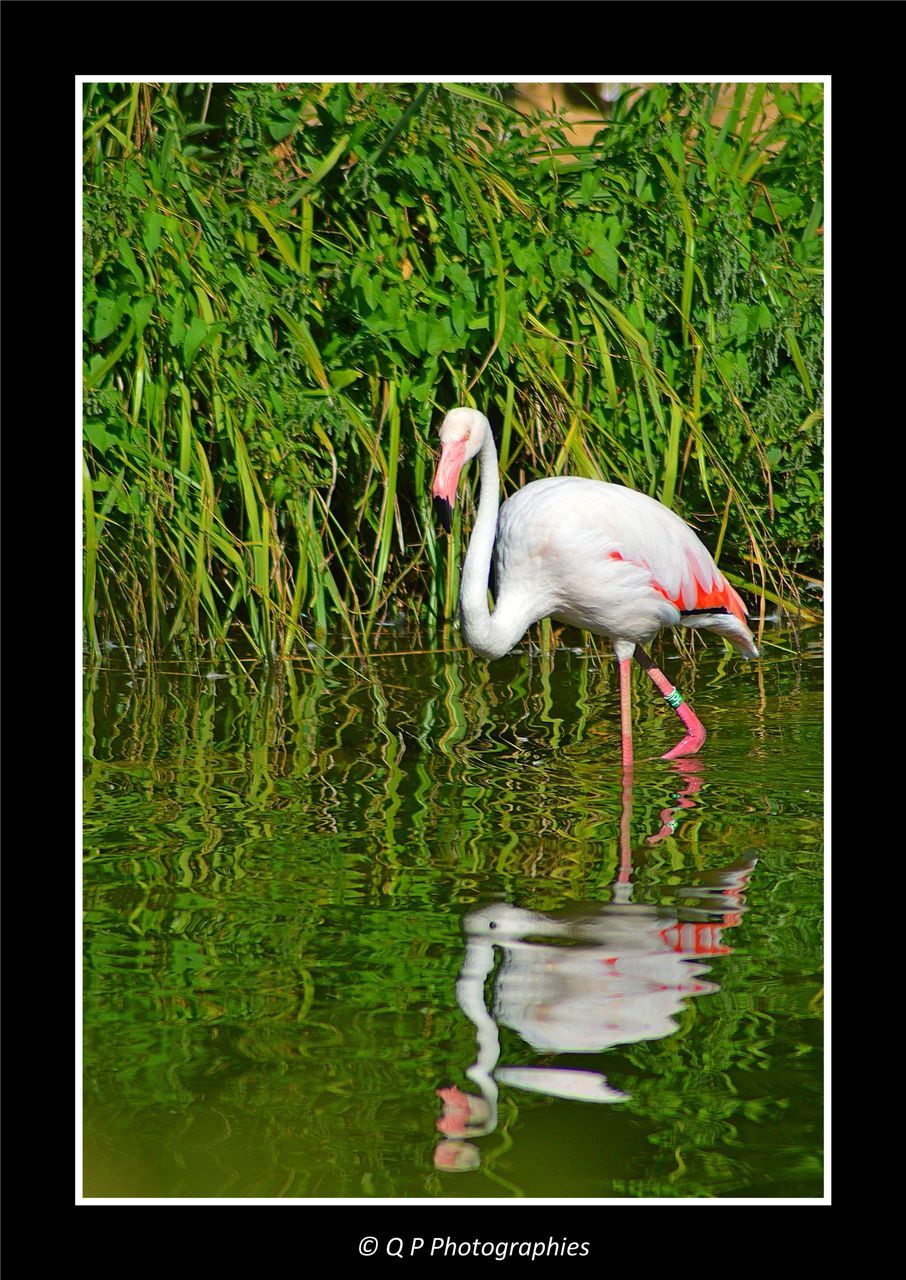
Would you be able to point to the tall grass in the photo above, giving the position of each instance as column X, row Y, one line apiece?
column 287, row 285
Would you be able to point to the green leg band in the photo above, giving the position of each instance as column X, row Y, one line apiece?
column 673, row 699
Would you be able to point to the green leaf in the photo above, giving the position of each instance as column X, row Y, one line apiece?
column 465, row 91
column 299, row 331
column 439, row 336
column 341, row 378
column 280, row 130
column 796, row 353
column 99, row 437
column 177, row 325
column 107, row 316
column 321, row 170
column 151, row 236
column 127, row 257
column 284, row 248
column 605, row 263
column 141, row 312
column 193, row 339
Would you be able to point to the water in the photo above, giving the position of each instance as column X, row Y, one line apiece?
column 397, row 928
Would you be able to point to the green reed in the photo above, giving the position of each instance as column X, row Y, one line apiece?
column 286, row 287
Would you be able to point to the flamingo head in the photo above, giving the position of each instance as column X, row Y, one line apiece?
column 462, row 434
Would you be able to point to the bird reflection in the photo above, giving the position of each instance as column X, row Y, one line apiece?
column 583, row 981
column 690, row 771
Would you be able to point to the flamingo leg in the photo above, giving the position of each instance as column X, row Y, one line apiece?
column 689, row 771
column 626, row 712
column 695, row 730
column 625, row 873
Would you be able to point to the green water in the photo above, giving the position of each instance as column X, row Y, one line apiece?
column 287, row 887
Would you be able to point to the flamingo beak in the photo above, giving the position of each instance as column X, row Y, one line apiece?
column 446, row 478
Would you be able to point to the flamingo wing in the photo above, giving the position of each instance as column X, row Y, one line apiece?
column 598, row 533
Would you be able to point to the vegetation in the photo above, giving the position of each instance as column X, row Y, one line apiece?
column 285, row 287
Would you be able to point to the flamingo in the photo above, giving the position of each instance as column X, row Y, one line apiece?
column 598, row 556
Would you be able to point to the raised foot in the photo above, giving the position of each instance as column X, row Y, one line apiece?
column 689, row 745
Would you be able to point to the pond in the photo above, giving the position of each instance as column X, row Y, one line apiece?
column 396, row 926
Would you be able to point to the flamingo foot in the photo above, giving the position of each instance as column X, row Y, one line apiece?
column 688, row 746
column 695, row 730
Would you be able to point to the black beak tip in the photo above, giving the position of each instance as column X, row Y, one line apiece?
column 444, row 513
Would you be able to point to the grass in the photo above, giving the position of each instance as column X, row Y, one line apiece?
column 287, row 286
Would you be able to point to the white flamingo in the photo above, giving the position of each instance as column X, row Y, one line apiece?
column 598, row 556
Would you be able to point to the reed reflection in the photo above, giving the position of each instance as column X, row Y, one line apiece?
column 584, row 981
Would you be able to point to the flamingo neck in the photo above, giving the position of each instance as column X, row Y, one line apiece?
column 490, row 635
column 477, row 965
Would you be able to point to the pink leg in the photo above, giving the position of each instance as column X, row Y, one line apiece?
column 695, row 730
column 625, row 873
column 626, row 713
column 688, row 770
